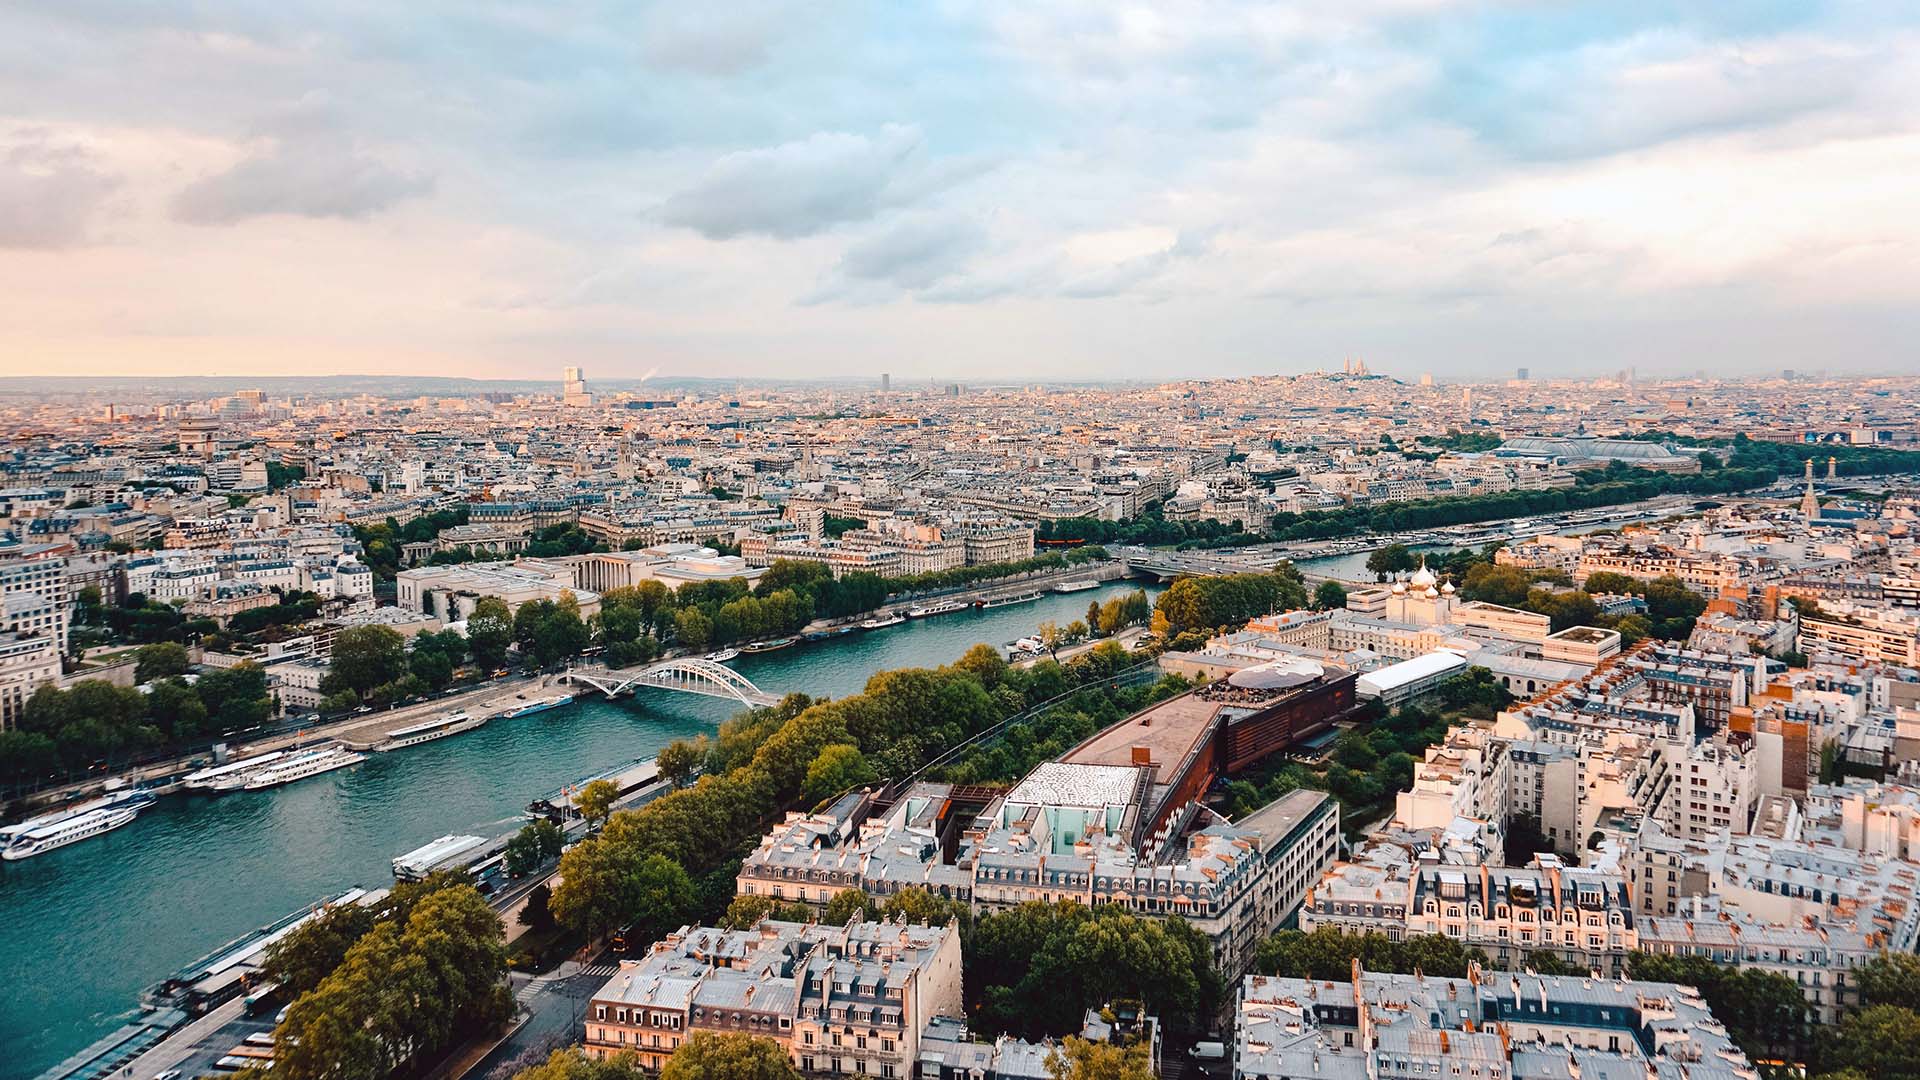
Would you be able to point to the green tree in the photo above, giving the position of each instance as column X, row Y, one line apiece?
column 365, row 657
column 301, row 959
column 236, row 698
column 535, row 843
column 160, row 660
column 1880, row 1041
column 573, row 1064
column 747, row 911
column 594, row 800
column 1078, row 1059
column 707, row 1055
column 679, row 759
column 837, row 769
column 1330, row 596
column 174, row 708
column 845, row 905
column 1393, row 559
column 537, row 912
column 489, row 632
column 1892, row 978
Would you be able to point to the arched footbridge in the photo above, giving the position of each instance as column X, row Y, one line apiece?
column 689, row 675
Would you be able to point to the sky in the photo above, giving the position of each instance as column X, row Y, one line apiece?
column 981, row 190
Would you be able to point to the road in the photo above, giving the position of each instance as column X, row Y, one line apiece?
column 555, row 1006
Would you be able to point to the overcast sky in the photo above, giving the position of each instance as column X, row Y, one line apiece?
column 967, row 190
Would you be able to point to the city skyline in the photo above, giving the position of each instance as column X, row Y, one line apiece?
column 1028, row 193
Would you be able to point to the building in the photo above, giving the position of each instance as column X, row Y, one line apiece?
column 850, row 999
column 1487, row 1026
column 1396, row 684
column 26, row 662
column 448, row 593
column 1890, row 636
column 573, row 388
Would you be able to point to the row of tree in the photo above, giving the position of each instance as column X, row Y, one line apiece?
column 377, row 989
column 1207, row 603
column 95, row 722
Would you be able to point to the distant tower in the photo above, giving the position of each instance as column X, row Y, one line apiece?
column 1833, row 468
column 1466, row 404
column 886, row 382
column 573, row 387
column 1521, row 375
column 1809, row 506
column 1426, row 378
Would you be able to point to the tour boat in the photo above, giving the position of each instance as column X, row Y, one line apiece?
column 439, row 728
column 301, row 766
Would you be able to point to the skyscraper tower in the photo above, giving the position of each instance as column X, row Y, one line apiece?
column 1809, row 505
column 886, row 382
column 573, row 387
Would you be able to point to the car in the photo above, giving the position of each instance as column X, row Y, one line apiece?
column 167, row 1074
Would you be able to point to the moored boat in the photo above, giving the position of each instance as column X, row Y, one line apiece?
column 438, row 728
column 532, row 707
column 767, row 646
column 301, row 766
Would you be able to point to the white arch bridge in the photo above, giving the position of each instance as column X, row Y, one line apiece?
column 689, row 675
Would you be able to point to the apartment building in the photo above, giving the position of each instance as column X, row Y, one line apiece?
column 846, row 1000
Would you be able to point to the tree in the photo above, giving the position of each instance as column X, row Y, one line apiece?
column 1892, row 978
column 176, row 709
column 573, row 1064
column 663, row 897
column 535, row 843
column 1078, row 1059
column 560, row 633
column 594, row 800
column 679, row 759
column 1390, row 560
column 537, row 912
column 710, row 1056
column 747, row 911
column 1881, row 1041
column 300, row 960
column 692, row 629
column 236, row 698
column 1330, row 596
column 838, row 768
column 1524, row 839
column 489, row 632
column 365, row 657
column 845, row 905
column 160, row 660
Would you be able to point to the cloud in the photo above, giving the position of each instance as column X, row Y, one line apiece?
column 806, row 187
column 319, row 178
column 50, row 194
column 717, row 40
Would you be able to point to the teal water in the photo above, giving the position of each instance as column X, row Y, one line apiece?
column 85, row 928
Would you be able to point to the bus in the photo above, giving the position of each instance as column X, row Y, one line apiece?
column 625, row 940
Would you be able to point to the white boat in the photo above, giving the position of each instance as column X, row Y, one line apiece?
column 69, row 829
column 943, row 607
column 1075, row 586
column 882, row 622
column 722, row 656
column 301, row 766
column 1025, row 598
column 539, row 706
column 209, row 779
column 439, row 728
column 134, row 797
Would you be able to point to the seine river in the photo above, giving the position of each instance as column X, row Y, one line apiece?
column 85, row 928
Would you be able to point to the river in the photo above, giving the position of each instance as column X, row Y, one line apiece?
column 85, row 928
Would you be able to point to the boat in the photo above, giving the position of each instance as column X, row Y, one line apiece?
column 532, row 707
column 439, row 728
column 1008, row 601
column 69, row 828
column 943, row 607
column 768, row 646
column 210, row 778
column 1075, row 586
column 439, row 854
column 881, row 622
column 136, row 798
column 301, row 766
column 722, row 656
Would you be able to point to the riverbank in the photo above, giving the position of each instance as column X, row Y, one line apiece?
column 84, row 929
